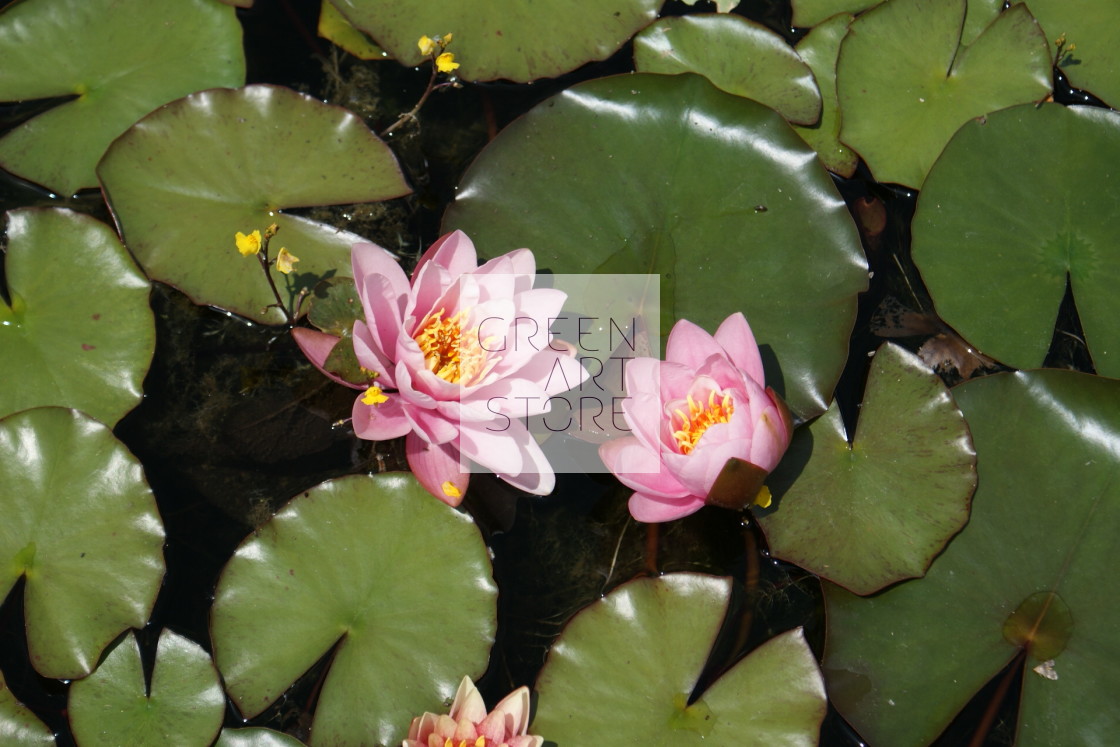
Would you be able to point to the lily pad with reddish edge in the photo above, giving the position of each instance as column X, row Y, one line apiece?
column 81, row 525
column 739, row 56
column 1025, row 573
column 638, row 166
column 508, row 39
column 820, row 48
column 115, row 705
column 78, row 332
column 1018, row 203
column 899, row 116
column 185, row 179
column 334, row 27
column 19, row 727
column 869, row 511
column 117, row 60
column 1093, row 64
column 393, row 584
column 623, row 670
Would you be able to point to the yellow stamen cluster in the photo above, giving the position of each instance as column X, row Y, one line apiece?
column 449, row 353
column 690, row 426
column 480, row 742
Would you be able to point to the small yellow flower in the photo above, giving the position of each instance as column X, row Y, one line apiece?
column 446, row 63
column 285, row 261
column 763, row 499
column 247, row 245
column 450, row 490
column 426, row 45
column 373, row 396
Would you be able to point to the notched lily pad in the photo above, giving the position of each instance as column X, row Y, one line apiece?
column 120, row 59
column 79, row 332
column 398, row 584
column 81, row 524
column 820, row 48
column 265, row 149
column 876, row 510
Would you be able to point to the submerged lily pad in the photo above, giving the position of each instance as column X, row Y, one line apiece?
column 120, row 59
column 899, row 116
column 19, row 727
column 622, row 672
column 1094, row 65
column 820, row 48
column 79, row 332
column 901, row 664
column 1018, row 203
column 114, row 705
column 185, row 179
column 739, row 56
column 81, row 524
column 396, row 583
column 669, row 175
column 876, row 509
column 508, row 39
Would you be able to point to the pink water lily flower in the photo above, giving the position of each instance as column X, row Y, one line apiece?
column 468, row 724
column 701, row 410
column 459, row 354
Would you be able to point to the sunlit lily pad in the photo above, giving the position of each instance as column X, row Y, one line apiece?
column 900, row 115
column 1018, row 202
column 120, row 59
column 19, row 727
column 819, row 48
column 739, row 56
column 115, row 706
column 622, row 671
column 813, row 12
column 185, row 179
column 79, row 332
column 81, row 524
column 334, row 26
column 900, row 664
column 1094, row 65
column 667, row 174
column 397, row 583
column 504, row 38
column 872, row 510
column 255, row 737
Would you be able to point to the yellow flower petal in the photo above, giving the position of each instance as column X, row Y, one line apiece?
column 373, row 396
column 445, row 63
column 285, row 261
column 763, row 498
column 450, row 490
column 426, row 45
column 247, row 245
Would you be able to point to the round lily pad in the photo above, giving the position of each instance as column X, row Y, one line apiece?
column 899, row 116
column 79, row 332
column 812, row 12
column 119, row 59
column 820, row 48
column 114, row 706
column 505, row 38
column 186, row 179
column 81, row 524
column 739, row 56
column 669, row 175
column 19, row 727
column 876, row 509
column 397, row 583
column 255, row 737
column 622, row 672
column 1094, row 62
column 899, row 665
column 1019, row 202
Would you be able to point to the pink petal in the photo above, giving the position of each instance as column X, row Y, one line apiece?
column 637, row 467
column 652, row 510
column 509, row 718
column 369, row 260
column 370, row 357
column 698, row 469
column 383, row 313
column 380, row 422
column 317, row 346
column 690, row 345
column 436, row 467
column 433, row 425
column 453, row 251
column 735, row 336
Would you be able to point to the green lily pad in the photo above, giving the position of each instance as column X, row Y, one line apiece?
column 820, row 48
column 899, row 116
column 505, row 38
column 622, row 671
column 81, row 524
column 334, row 27
column 902, row 663
column 397, row 583
column 707, row 189
column 876, row 509
column 739, row 56
column 1094, row 65
column 1018, row 202
column 79, row 332
column 114, row 706
column 120, row 59
column 255, row 737
column 813, row 12
column 186, row 178
column 19, row 727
